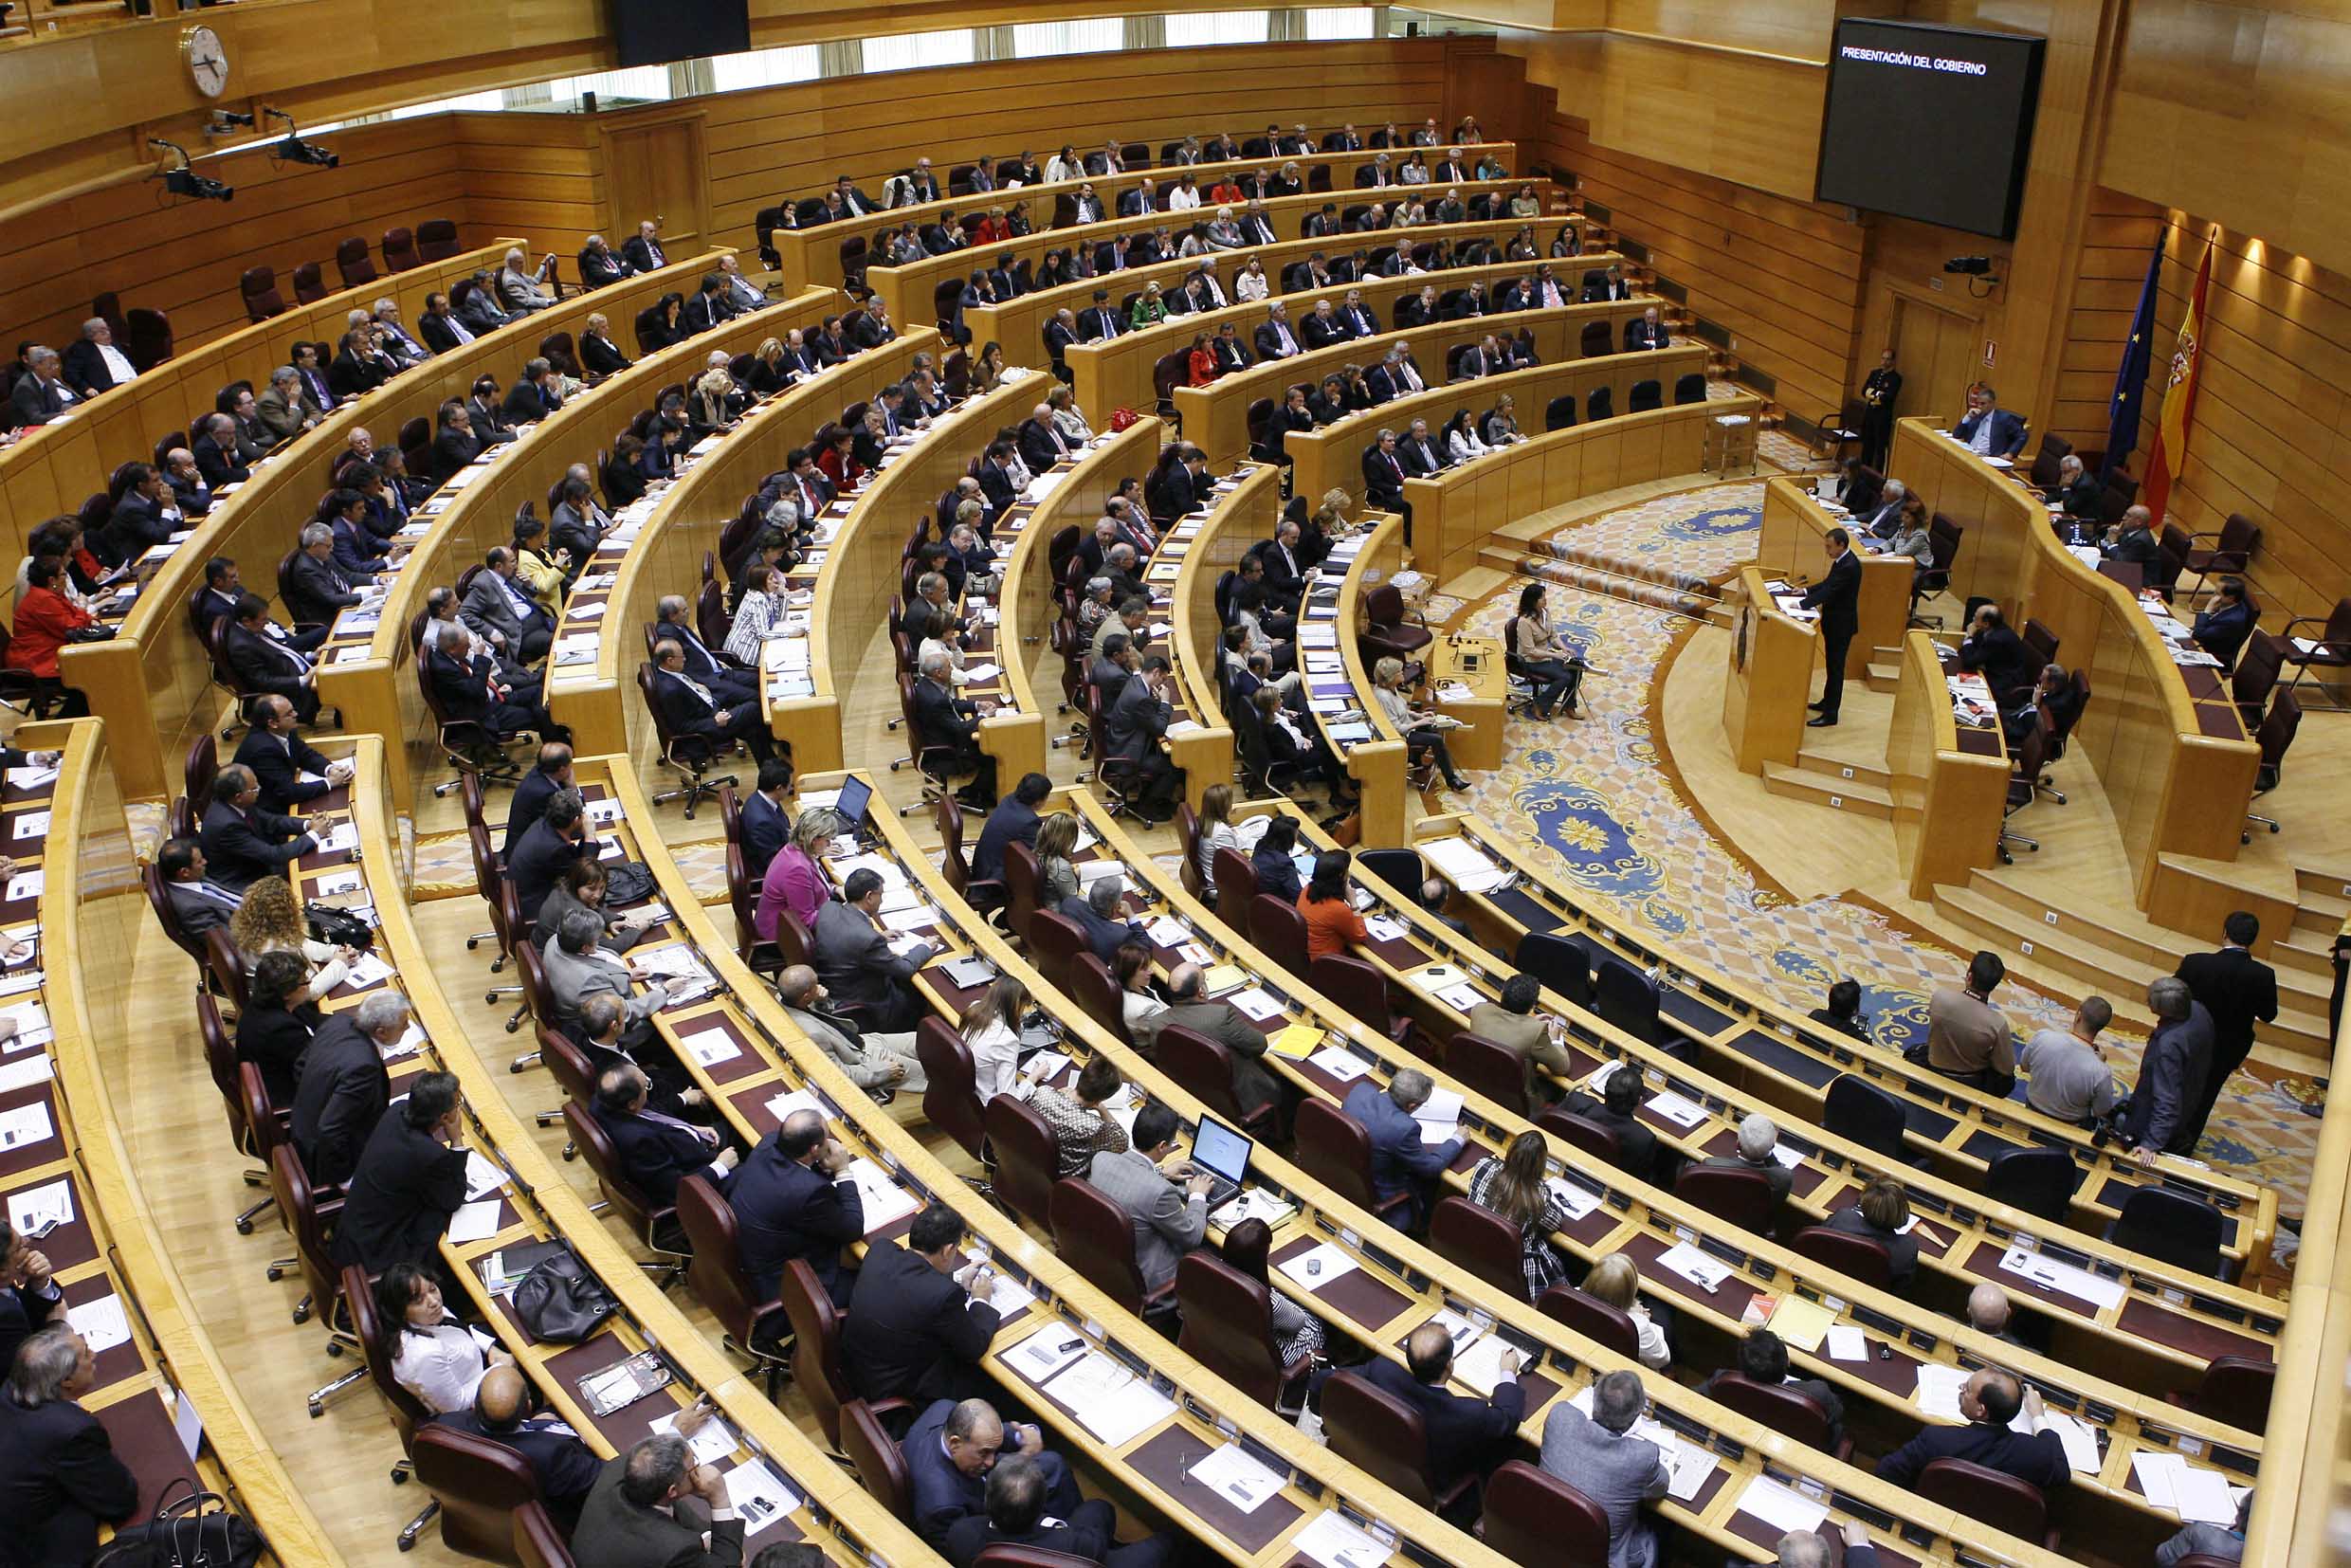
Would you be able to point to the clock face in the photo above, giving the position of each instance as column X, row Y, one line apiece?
column 208, row 60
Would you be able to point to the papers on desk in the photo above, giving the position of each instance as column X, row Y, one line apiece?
column 39, row 1210
column 1047, row 1351
column 1461, row 997
column 783, row 1106
column 982, row 672
column 32, row 1025
column 757, row 1497
column 366, row 970
column 1801, row 1322
column 710, row 1047
column 1332, row 1542
column 341, row 837
column 1681, row 1112
column 336, row 884
column 24, row 884
column 27, row 1124
column 483, row 1176
column 1464, row 864
column 1091, row 871
column 2198, row 1496
column 34, row 778
column 1439, row 1116
column 1233, row 1474
column 885, row 1202
column 1252, row 1203
column 1574, row 1199
column 102, row 1323
column 1686, row 1465
column 1318, row 1267
column 1783, row 1509
column 476, row 1221
column 22, row 1075
column 1383, row 928
column 30, row 825
column 1257, row 1003
column 2082, row 1447
column 711, row 1442
column 2064, row 1277
column 1165, row 932
column 1848, row 1344
column 1701, row 1270
column 1007, row 1295
column 1479, row 1366
column 1113, row 1402
column 1339, row 1063
column 1938, row 1390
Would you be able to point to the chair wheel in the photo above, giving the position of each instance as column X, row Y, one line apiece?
column 275, row 1275
column 513, row 1024
column 244, row 1227
column 334, row 1348
column 408, row 1543
column 472, row 942
column 399, row 1476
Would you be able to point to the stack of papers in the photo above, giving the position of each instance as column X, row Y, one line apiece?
column 2197, row 1495
column 1439, row 1116
column 885, row 1202
column 475, row 1221
column 1240, row 1480
column 1464, row 864
column 1783, row 1508
column 1701, row 1270
column 1113, row 1404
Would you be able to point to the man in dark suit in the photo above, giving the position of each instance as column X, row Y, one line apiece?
column 655, row 1505
column 1356, row 316
column 1639, row 1152
column 2222, row 630
column 1187, row 1008
column 791, row 1202
column 857, row 964
column 547, row 849
column 1649, row 332
column 241, row 842
column 1419, row 453
column 730, row 685
column 1402, row 1162
column 549, row 776
column 471, row 690
column 1173, row 492
column 644, row 252
column 949, row 1453
column 1837, row 597
column 656, row 1150
column 92, row 363
column 912, row 1331
column 689, row 707
column 944, row 719
column 1323, row 327
column 1878, row 392
column 498, row 606
column 42, row 394
column 535, row 395
column 63, row 1477
column 222, row 587
column 410, row 1179
column 1014, row 821
column 278, row 756
column 565, row 1468
column 1608, row 285
column 312, row 588
column 1991, row 649
column 199, row 903
column 440, row 327
column 341, row 1087
column 1133, row 727
column 1060, row 333
column 1990, row 1401
column 1095, row 911
column 29, row 1298
column 765, row 824
column 872, row 327
column 1016, row 1517
column 2239, row 991
column 1466, row 1436
column 1041, row 444
column 1100, row 320
column 1988, row 429
column 145, row 516
column 1383, row 474
column 262, row 662
column 599, row 267
column 1763, row 1359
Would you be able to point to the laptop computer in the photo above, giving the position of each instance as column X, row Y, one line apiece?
column 855, row 793
column 1224, row 1152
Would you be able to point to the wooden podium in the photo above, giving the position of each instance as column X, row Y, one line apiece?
column 1475, row 662
column 1795, row 544
column 1771, row 679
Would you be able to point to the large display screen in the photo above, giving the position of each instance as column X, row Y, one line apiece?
column 1930, row 122
column 654, row 32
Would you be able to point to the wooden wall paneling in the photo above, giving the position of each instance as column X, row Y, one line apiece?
column 2120, row 237
column 538, row 174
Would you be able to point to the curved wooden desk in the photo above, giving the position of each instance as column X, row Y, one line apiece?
column 810, row 253
column 1950, row 784
column 55, row 466
column 153, row 682
column 913, row 285
column 375, row 686
column 1331, row 457
column 1794, row 544
column 1022, row 321
column 540, row 1203
column 110, row 1248
column 1109, row 373
column 2165, row 741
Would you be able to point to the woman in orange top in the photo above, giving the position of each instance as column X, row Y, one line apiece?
column 1226, row 191
column 46, row 620
column 1202, row 362
column 1331, row 921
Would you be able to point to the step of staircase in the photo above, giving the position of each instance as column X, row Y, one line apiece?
column 2301, row 985
column 1826, row 789
column 1594, row 577
column 1839, row 770
column 2325, row 900
column 2077, row 963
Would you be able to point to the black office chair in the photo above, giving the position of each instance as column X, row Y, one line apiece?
column 1860, row 1112
column 2039, row 1181
column 2181, row 1230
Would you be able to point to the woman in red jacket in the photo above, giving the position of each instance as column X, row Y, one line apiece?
column 44, row 621
column 838, row 464
column 1202, row 362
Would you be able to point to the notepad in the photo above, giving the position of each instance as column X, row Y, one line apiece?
column 1479, row 1366
column 1848, row 1344
column 1687, row 1261
column 1296, row 1041
column 1231, row 1474
column 476, row 1221
column 1334, row 1543
column 1258, row 1004
column 1802, row 1322
column 1339, row 1063
column 1783, row 1508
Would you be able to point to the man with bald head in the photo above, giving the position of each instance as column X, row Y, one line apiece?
column 1988, row 1312
column 1990, row 1401
column 1806, row 1549
column 792, row 1201
column 1252, row 1086
column 950, row 1451
column 1466, row 1436
column 501, row 1411
column 878, row 1062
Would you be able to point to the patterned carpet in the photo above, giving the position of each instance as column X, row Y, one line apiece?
column 1601, row 801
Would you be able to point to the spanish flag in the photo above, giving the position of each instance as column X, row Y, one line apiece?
column 2169, row 452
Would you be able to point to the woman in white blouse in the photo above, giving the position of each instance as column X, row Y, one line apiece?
column 991, row 1028
column 1066, row 165
column 1251, row 283
column 1137, row 1005
column 1068, row 418
column 1616, row 1281
column 434, row 1355
column 1185, row 197
column 1415, row 171
column 758, row 616
column 1215, row 832
column 1461, row 438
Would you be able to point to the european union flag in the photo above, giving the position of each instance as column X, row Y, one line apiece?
column 2130, row 381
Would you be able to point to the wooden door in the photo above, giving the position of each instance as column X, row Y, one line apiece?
column 654, row 167
column 1937, row 352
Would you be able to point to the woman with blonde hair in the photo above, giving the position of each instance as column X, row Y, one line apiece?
column 1515, row 1184
column 598, row 355
column 766, row 376
column 1068, row 418
column 710, row 406
column 1057, row 840
column 1150, row 310
column 1215, row 832
column 268, row 920
column 1616, row 1281
column 793, row 880
column 1422, row 738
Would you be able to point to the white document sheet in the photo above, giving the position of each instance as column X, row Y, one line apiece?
column 1231, row 1473
column 1783, row 1508
column 1316, row 1268
column 475, row 1221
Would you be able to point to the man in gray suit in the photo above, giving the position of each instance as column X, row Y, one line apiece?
column 497, row 607
column 1511, row 1022
column 1598, row 1455
column 578, row 967
column 1252, row 1086
column 200, row 904
column 855, row 962
column 1167, row 1223
column 653, row 1505
column 876, row 1063
column 1758, row 1136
